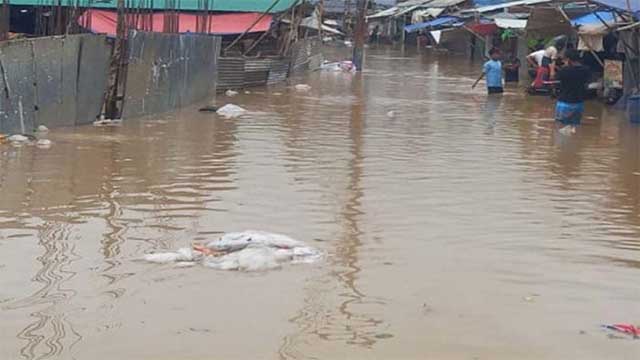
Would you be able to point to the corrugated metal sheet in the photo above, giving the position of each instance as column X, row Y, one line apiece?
column 92, row 73
column 48, row 57
column 18, row 105
column 301, row 53
column 315, row 61
column 167, row 71
column 279, row 71
column 230, row 73
column 256, row 71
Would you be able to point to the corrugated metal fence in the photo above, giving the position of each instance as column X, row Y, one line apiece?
column 239, row 72
column 168, row 71
column 52, row 81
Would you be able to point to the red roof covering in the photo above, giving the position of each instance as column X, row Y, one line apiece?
column 104, row 22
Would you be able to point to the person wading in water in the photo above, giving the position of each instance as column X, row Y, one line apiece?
column 573, row 79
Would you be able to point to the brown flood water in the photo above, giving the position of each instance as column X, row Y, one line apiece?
column 465, row 227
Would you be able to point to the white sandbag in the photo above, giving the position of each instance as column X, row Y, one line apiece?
column 43, row 129
column 231, row 111
column 18, row 138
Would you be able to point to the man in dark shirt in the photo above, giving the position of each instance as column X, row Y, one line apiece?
column 573, row 79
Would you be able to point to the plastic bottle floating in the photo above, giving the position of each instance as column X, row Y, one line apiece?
column 244, row 251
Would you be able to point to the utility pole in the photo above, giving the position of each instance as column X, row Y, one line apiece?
column 359, row 34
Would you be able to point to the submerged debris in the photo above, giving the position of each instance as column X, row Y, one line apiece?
column 231, row 111
column 108, row 122
column 244, row 251
column 208, row 108
column 627, row 329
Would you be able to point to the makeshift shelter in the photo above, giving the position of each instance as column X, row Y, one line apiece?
column 628, row 39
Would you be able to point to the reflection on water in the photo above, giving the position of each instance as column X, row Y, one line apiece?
column 461, row 204
column 50, row 331
column 345, row 323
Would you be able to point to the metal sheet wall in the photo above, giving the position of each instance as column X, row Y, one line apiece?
column 230, row 73
column 256, row 71
column 52, row 81
column 301, row 54
column 167, row 71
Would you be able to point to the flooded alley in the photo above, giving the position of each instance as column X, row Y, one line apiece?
column 461, row 227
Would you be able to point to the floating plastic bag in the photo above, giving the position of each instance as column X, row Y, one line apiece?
column 243, row 251
column 231, row 93
column 231, row 111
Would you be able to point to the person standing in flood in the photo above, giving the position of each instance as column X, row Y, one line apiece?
column 512, row 69
column 573, row 77
column 492, row 69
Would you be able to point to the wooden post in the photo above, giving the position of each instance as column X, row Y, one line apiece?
column 359, row 35
column 5, row 19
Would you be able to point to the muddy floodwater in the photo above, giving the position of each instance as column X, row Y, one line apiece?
column 457, row 227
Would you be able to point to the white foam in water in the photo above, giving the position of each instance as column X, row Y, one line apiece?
column 244, row 251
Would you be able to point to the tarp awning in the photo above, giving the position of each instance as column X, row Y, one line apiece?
column 620, row 5
column 505, row 23
column 441, row 21
column 592, row 24
column 485, row 9
column 105, row 21
column 259, row 6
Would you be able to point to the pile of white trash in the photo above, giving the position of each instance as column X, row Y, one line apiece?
column 244, row 251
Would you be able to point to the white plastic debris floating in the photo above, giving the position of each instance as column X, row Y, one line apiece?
column 107, row 122
column 567, row 130
column 340, row 66
column 43, row 143
column 18, row 139
column 231, row 93
column 231, row 111
column 42, row 129
column 243, row 251
column 303, row 87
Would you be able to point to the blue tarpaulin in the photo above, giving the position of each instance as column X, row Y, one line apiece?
column 622, row 5
column 592, row 19
column 479, row 3
column 438, row 22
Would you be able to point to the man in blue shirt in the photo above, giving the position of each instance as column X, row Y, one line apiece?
column 492, row 69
